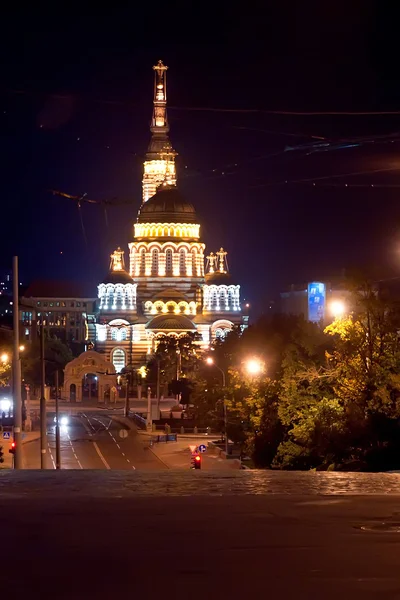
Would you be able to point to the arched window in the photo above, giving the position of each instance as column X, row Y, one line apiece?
column 194, row 263
column 154, row 262
column 118, row 334
column 214, row 297
column 182, row 262
column 231, row 299
column 142, row 261
column 118, row 359
column 223, row 299
column 220, row 333
column 168, row 262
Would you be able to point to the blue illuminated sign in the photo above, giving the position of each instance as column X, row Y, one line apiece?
column 316, row 301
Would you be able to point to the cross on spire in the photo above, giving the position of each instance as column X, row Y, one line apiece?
column 117, row 260
column 222, row 260
column 211, row 261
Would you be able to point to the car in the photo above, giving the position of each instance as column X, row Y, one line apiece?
column 63, row 419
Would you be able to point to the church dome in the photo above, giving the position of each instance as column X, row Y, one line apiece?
column 167, row 206
column 171, row 322
column 118, row 277
column 218, row 278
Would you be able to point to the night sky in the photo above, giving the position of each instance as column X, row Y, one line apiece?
column 76, row 102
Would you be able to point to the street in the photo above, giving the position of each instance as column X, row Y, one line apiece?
column 93, row 440
column 193, row 534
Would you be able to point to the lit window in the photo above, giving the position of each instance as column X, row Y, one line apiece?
column 118, row 334
column 118, row 359
column 182, row 262
column 154, row 262
column 168, row 262
column 142, row 261
column 194, row 265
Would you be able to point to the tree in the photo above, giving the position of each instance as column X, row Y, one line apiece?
column 307, row 408
column 57, row 355
column 172, row 355
column 340, row 399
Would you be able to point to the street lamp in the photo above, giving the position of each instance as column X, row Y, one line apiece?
column 254, row 366
column 337, row 308
column 210, row 361
column 4, row 358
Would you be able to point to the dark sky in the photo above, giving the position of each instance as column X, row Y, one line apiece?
column 75, row 106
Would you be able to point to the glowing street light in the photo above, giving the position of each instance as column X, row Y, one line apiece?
column 22, row 348
column 337, row 308
column 254, row 366
column 4, row 358
column 209, row 360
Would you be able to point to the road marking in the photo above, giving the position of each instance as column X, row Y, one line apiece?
column 118, row 446
column 51, row 456
column 101, row 456
column 79, row 464
column 123, row 453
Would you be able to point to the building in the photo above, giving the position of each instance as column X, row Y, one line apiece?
column 317, row 301
column 63, row 308
column 169, row 285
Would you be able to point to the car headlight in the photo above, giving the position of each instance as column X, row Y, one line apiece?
column 64, row 421
column 5, row 405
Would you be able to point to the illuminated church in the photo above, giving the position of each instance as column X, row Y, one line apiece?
column 168, row 286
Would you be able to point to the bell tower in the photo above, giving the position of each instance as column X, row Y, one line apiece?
column 159, row 166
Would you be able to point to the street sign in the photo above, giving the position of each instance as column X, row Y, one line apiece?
column 202, row 448
column 123, row 433
column 193, row 449
column 6, row 435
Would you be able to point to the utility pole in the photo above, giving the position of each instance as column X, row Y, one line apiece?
column 43, row 420
column 16, row 372
column 58, row 450
column 158, row 387
column 149, row 420
column 128, row 378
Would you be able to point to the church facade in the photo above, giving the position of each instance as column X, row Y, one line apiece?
column 168, row 286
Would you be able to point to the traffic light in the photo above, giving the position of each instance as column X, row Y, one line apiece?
column 1, row 454
column 196, row 461
column 12, row 448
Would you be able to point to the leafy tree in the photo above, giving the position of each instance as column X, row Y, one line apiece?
column 170, row 354
column 57, row 355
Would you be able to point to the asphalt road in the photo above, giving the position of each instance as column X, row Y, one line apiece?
column 104, row 534
column 93, row 441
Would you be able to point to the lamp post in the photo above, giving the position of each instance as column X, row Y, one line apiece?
column 210, row 361
column 254, row 366
column 337, row 308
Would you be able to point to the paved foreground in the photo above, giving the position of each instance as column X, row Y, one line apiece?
column 109, row 534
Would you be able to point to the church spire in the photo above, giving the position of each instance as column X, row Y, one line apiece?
column 159, row 166
column 160, row 98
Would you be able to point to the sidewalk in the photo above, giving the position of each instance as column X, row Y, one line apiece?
column 176, row 455
column 27, row 436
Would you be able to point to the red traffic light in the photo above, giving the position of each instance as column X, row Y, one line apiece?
column 196, row 461
column 12, row 448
